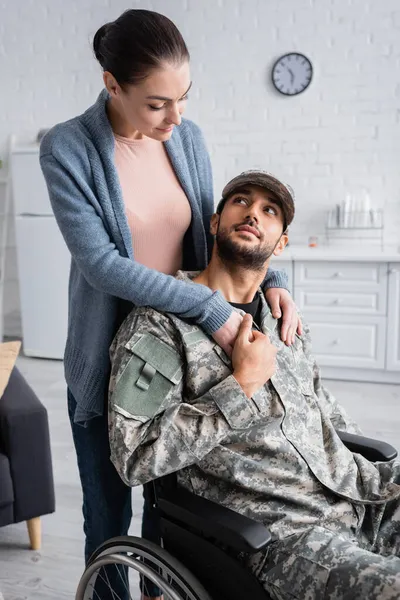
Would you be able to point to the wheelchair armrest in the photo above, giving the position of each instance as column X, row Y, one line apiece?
column 209, row 519
column 373, row 450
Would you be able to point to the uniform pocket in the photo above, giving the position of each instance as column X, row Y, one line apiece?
column 295, row 577
column 152, row 371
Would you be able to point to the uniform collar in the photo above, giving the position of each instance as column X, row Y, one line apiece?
column 268, row 323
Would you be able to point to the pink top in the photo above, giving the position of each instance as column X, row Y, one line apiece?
column 156, row 207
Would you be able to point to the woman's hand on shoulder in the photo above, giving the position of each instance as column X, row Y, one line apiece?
column 282, row 305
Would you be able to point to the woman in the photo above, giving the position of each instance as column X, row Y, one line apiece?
column 131, row 188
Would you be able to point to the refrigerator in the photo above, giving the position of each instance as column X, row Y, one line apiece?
column 43, row 259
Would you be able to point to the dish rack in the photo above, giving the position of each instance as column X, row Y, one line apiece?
column 355, row 225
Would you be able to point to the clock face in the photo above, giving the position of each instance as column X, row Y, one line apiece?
column 292, row 74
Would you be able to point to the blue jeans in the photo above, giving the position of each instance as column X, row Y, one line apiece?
column 107, row 508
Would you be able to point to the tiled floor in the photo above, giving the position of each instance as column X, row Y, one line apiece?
column 52, row 573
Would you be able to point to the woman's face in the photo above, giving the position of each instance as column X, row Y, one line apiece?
column 153, row 107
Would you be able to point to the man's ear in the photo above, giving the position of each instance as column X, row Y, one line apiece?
column 281, row 245
column 214, row 224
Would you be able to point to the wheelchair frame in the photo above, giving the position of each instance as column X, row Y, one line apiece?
column 212, row 541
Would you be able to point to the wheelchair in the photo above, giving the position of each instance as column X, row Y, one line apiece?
column 204, row 545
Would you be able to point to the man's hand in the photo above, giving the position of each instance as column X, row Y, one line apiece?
column 254, row 362
column 281, row 302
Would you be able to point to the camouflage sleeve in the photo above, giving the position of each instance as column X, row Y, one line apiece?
column 153, row 429
column 337, row 414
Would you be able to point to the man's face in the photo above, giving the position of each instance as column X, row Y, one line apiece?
column 250, row 228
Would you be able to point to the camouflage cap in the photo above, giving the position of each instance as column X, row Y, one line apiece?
column 282, row 191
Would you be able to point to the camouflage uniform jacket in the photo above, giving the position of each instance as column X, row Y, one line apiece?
column 174, row 406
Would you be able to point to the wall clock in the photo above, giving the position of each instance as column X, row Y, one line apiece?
column 292, row 74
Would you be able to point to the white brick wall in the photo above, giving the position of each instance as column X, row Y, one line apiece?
column 342, row 133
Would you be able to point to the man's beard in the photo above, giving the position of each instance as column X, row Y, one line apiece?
column 234, row 254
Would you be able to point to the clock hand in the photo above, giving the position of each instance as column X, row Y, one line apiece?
column 291, row 75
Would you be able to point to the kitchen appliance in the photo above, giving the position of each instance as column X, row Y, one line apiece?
column 43, row 258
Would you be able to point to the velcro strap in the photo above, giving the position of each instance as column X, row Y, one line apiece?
column 146, row 377
column 158, row 355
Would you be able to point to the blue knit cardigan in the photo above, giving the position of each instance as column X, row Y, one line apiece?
column 77, row 160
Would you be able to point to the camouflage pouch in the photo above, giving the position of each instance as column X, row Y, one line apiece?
column 152, row 371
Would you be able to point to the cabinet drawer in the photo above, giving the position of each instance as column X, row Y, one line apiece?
column 332, row 302
column 341, row 275
column 348, row 341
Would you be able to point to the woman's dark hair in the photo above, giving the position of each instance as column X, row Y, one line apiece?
column 137, row 42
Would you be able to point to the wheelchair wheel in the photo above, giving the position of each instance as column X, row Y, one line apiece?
column 127, row 559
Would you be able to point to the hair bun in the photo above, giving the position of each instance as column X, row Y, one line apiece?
column 98, row 39
column 136, row 43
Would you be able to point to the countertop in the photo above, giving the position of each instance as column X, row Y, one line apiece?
column 342, row 253
column 32, row 148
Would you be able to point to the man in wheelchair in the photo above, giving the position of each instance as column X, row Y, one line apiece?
column 256, row 431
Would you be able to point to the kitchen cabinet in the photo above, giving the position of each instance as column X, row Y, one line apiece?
column 393, row 322
column 339, row 302
column 351, row 302
column 348, row 341
column 339, row 274
column 337, row 287
column 344, row 304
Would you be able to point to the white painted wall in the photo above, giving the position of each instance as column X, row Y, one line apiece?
column 342, row 133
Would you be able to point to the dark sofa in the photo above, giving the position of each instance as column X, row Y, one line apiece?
column 26, row 475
